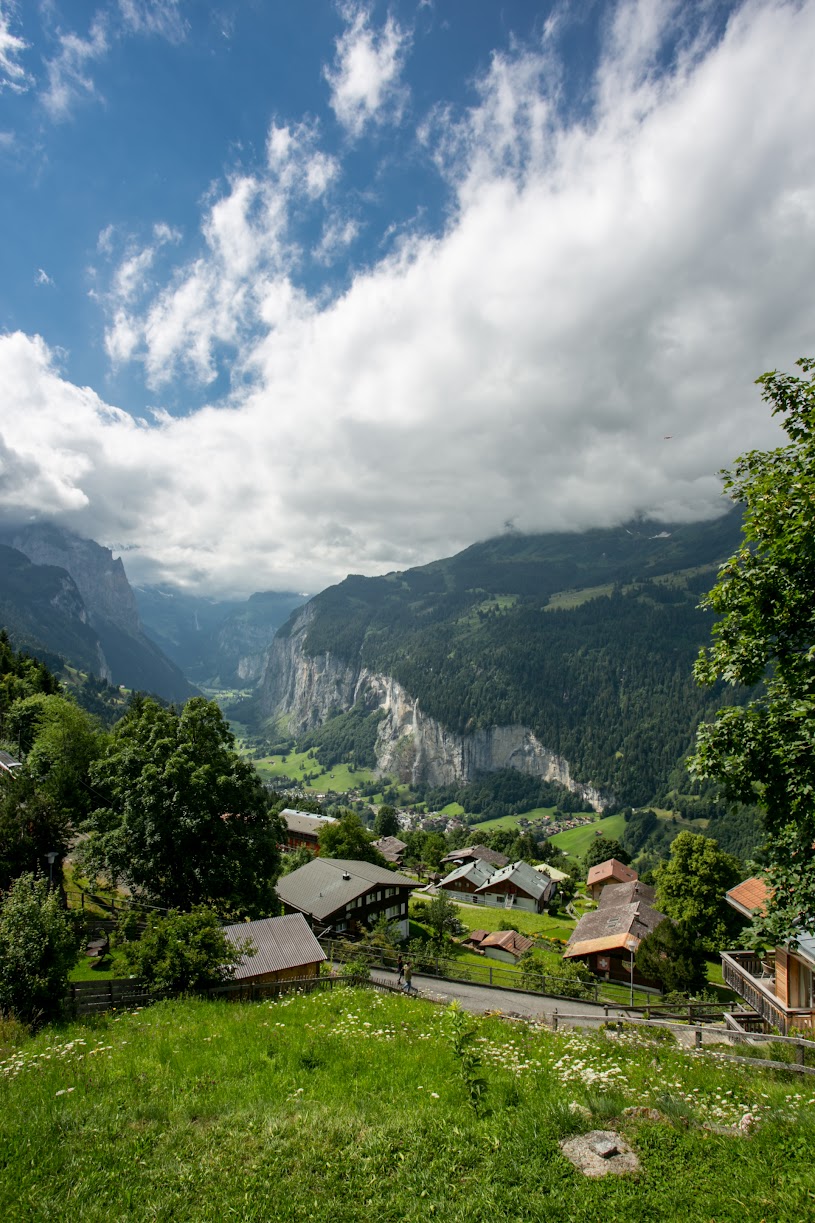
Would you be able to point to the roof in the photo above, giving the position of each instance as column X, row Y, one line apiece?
column 507, row 940
column 749, row 897
column 390, row 847
column 627, row 893
column 545, row 868
column 327, row 884
column 604, row 872
column 613, row 927
column 805, row 946
column 477, row 872
column 9, row 764
column 476, row 936
column 306, row 821
column 477, row 852
column 523, row 876
column 280, row 942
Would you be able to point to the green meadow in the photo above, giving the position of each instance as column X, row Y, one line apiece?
column 575, row 841
column 297, row 765
column 351, row 1105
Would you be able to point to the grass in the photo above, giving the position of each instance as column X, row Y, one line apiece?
column 339, row 777
column 575, row 841
column 352, row 1106
column 478, row 917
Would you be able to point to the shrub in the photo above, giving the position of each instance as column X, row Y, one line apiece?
column 38, row 946
column 183, row 952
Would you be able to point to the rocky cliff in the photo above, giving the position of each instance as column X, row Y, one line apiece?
column 303, row 690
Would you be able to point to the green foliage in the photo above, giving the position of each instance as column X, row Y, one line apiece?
column 443, row 919
column 504, row 792
column 601, row 849
column 691, row 889
column 673, row 955
column 349, row 838
column 462, row 1034
column 765, row 598
column 182, row 952
column 187, row 820
column 345, row 738
column 38, row 946
column 386, row 823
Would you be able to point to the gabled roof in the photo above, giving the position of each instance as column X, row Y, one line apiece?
column 507, row 940
column 280, row 942
column 545, row 868
column 627, row 893
column 523, row 876
column 327, row 884
column 749, row 897
column 476, row 853
column 390, row 847
column 611, row 871
column 305, row 821
column 477, row 872
column 619, row 927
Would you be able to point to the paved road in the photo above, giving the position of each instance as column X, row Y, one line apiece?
column 481, row 998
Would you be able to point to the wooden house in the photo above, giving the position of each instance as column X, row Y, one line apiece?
column 285, row 949
column 517, row 886
column 303, row 829
column 463, row 882
column 607, row 939
column 346, row 897
column 505, row 945
column 608, row 874
column 778, row 987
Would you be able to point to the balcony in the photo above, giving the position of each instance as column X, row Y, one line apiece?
column 754, row 981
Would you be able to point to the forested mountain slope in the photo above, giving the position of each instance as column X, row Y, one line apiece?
column 586, row 640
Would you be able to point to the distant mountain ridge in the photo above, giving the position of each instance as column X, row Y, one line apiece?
column 567, row 656
column 72, row 597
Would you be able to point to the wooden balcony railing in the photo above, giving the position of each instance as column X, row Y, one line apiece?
column 742, row 972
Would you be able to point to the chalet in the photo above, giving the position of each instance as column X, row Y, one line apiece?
column 463, row 883
column 505, row 945
column 777, row 987
column 608, row 874
column 627, row 894
column 476, row 853
column 607, row 939
column 391, row 849
column 346, row 897
column 517, row 886
column 285, row 949
column 303, row 828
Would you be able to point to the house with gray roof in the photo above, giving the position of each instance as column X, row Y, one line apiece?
column 285, row 949
column 463, row 882
column 345, row 897
column 517, row 886
column 303, row 828
column 607, row 939
column 476, row 853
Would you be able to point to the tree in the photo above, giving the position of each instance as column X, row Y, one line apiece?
column 673, row 955
column 691, row 888
column 187, row 820
column 38, row 947
column 443, row 918
column 601, row 849
column 764, row 751
column 183, row 952
column 349, row 838
column 31, row 827
column 386, row 823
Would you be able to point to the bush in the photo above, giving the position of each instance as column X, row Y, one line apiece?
column 183, row 952
column 38, row 948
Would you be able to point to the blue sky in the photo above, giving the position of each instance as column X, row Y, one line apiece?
column 289, row 290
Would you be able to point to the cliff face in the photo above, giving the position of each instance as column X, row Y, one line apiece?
column 100, row 579
column 303, row 690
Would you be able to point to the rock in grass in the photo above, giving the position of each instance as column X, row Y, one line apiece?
column 599, row 1153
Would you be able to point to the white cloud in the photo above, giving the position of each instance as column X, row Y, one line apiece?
column 365, row 79
column 158, row 17
column 42, row 277
column 68, row 72
column 602, row 282
column 13, row 75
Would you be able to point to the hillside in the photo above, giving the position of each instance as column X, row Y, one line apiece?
column 68, row 596
column 352, row 1106
column 577, row 648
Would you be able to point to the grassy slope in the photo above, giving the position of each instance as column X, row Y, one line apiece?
column 350, row 1106
column 575, row 841
column 339, row 777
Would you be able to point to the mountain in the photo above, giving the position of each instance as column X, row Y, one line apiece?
column 567, row 656
column 67, row 582
column 211, row 639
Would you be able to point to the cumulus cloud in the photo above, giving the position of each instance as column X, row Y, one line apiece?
column 603, row 280
column 365, row 79
column 13, row 75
